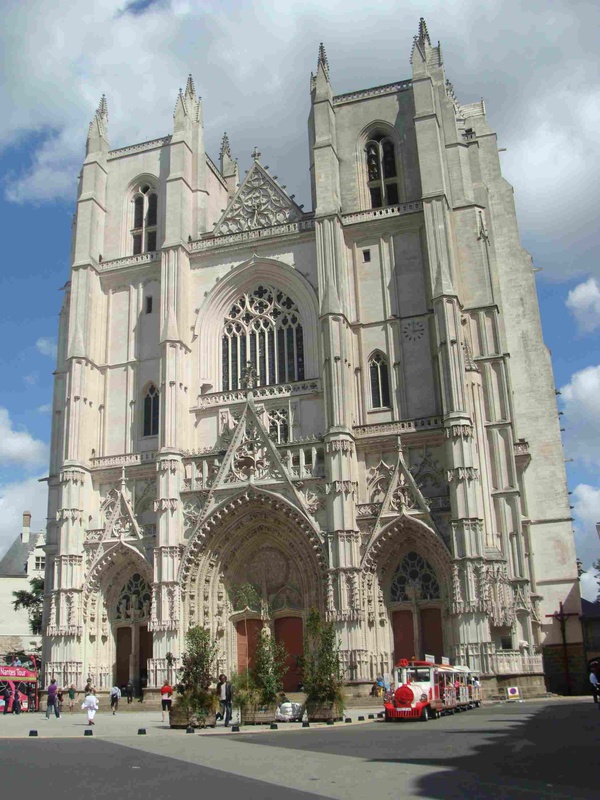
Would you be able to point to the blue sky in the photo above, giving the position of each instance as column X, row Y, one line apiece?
column 536, row 67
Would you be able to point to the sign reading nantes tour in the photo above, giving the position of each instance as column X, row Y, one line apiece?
column 17, row 673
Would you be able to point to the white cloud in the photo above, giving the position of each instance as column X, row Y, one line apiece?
column 18, row 446
column 535, row 64
column 46, row 346
column 588, row 585
column 15, row 498
column 31, row 379
column 581, row 402
column 584, row 303
column 586, row 502
column 45, row 409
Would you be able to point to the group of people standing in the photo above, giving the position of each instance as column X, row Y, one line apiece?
column 90, row 703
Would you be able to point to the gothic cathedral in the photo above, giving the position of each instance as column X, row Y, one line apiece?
column 349, row 408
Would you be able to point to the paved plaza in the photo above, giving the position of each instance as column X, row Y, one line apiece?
column 523, row 751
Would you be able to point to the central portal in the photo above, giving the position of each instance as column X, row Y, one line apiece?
column 277, row 602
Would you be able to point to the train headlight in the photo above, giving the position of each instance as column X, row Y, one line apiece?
column 423, row 698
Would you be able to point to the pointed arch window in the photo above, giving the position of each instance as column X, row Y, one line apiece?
column 263, row 330
column 414, row 572
column 145, row 220
column 151, row 411
column 380, row 384
column 382, row 171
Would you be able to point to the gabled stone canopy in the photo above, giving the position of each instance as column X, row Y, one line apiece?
column 259, row 203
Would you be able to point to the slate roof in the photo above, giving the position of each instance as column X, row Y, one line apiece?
column 14, row 560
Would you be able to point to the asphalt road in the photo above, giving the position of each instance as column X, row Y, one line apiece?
column 91, row 769
column 527, row 751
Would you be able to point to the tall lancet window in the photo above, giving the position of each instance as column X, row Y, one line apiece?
column 382, row 172
column 263, row 328
column 151, row 410
column 380, row 384
column 145, row 220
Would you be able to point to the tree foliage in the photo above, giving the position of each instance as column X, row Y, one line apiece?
column 321, row 665
column 269, row 667
column 33, row 602
column 197, row 671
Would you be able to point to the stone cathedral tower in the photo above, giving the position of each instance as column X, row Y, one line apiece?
column 350, row 408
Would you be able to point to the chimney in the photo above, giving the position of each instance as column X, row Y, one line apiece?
column 26, row 526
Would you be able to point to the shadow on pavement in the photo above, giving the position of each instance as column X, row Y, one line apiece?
column 550, row 752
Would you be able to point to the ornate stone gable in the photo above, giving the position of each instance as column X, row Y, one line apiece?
column 251, row 458
column 259, row 203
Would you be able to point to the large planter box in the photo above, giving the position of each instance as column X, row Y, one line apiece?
column 259, row 716
column 322, row 712
column 178, row 718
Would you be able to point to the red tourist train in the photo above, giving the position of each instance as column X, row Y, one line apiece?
column 426, row 690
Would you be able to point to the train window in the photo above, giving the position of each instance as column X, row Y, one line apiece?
column 419, row 675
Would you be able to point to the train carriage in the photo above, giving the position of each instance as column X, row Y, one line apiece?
column 426, row 690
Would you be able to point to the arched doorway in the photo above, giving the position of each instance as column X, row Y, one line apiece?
column 269, row 596
column 117, row 601
column 416, row 608
column 257, row 540
column 133, row 640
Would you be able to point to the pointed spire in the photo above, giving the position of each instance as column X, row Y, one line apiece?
column 423, row 32
column 190, row 89
column 97, row 138
column 322, row 59
column 225, row 148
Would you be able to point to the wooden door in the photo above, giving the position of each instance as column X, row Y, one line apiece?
column 123, row 655
column 288, row 632
column 432, row 638
column 404, row 635
column 145, row 654
column 247, row 646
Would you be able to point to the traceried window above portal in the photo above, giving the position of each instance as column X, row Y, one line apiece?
column 414, row 573
column 263, row 330
column 134, row 600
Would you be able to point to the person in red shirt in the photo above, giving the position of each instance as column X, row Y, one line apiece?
column 165, row 696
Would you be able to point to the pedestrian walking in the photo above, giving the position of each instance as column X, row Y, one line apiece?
column 6, row 694
column 90, row 704
column 71, row 694
column 225, row 695
column 52, row 702
column 595, row 681
column 166, row 693
column 16, row 703
column 115, row 696
column 129, row 692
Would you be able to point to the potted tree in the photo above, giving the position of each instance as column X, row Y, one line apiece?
column 196, row 704
column 322, row 670
column 267, row 673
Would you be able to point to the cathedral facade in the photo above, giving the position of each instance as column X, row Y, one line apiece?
column 350, row 408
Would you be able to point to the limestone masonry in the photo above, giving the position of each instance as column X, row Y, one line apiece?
column 350, row 408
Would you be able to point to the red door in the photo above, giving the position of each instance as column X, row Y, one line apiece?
column 247, row 646
column 288, row 632
column 404, row 635
column 431, row 633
